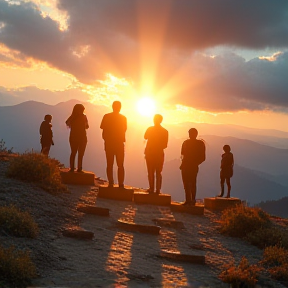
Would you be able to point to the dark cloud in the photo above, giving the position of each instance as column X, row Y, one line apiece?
column 229, row 83
column 123, row 36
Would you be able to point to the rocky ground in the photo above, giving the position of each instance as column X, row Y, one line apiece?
column 115, row 258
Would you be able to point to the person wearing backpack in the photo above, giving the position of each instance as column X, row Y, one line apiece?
column 192, row 155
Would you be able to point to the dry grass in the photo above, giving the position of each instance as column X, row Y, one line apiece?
column 17, row 223
column 39, row 169
column 16, row 267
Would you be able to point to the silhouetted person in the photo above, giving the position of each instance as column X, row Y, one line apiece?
column 78, row 124
column 157, row 140
column 193, row 154
column 226, row 172
column 114, row 127
column 46, row 134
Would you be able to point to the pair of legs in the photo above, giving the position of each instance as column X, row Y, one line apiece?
column 222, row 183
column 189, row 178
column 155, row 164
column 77, row 146
column 115, row 151
column 45, row 149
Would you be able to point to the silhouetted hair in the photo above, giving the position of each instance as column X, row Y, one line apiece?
column 158, row 119
column 226, row 148
column 193, row 133
column 78, row 109
column 116, row 106
column 48, row 117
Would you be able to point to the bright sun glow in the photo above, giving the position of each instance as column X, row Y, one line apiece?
column 146, row 106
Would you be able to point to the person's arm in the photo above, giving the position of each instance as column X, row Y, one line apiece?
column 86, row 122
column 146, row 135
column 102, row 125
column 166, row 139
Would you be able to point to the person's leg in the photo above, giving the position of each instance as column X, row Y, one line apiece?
column 222, row 182
column 159, row 168
column 186, row 183
column 81, row 151
column 45, row 149
column 151, row 172
column 193, row 181
column 109, row 168
column 229, row 187
column 74, row 148
column 120, row 164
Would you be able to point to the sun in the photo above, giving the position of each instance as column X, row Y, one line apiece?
column 146, row 106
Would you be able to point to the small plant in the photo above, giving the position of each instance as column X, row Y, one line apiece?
column 243, row 275
column 37, row 168
column 3, row 148
column 268, row 236
column 241, row 220
column 17, row 223
column 275, row 258
column 16, row 267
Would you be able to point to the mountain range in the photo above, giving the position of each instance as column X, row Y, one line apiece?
column 261, row 160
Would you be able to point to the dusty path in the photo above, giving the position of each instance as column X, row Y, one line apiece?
column 116, row 258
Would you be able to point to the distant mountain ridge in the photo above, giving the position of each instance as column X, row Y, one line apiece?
column 257, row 171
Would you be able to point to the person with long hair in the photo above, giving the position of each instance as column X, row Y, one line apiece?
column 78, row 123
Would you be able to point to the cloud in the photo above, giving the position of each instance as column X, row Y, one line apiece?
column 127, row 37
column 229, row 83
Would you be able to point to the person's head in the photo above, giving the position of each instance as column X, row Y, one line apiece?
column 226, row 148
column 116, row 106
column 48, row 118
column 78, row 109
column 157, row 119
column 193, row 133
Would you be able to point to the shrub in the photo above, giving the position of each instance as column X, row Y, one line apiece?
column 3, row 148
column 275, row 258
column 17, row 223
column 37, row 168
column 241, row 220
column 268, row 236
column 243, row 275
column 16, row 267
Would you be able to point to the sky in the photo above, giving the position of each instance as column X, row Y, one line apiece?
column 200, row 60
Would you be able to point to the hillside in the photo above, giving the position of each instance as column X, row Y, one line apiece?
column 116, row 257
column 276, row 207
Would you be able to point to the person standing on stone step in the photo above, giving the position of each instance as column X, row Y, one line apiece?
column 78, row 124
column 114, row 126
column 226, row 172
column 157, row 141
column 192, row 154
column 46, row 135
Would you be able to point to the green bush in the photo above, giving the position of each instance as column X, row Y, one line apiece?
column 17, row 223
column 268, row 236
column 37, row 168
column 16, row 267
column 243, row 275
column 241, row 220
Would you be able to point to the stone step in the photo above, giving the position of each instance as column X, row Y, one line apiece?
column 197, row 209
column 148, row 229
column 169, row 223
column 219, row 203
column 115, row 193
column 195, row 259
column 77, row 178
column 154, row 199
column 78, row 234
column 89, row 209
